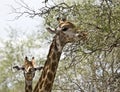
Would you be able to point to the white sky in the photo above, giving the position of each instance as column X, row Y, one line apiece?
column 24, row 23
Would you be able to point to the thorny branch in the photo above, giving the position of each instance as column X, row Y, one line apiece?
column 76, row 47
column 24, row 9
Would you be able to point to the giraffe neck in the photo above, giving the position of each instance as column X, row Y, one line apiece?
column 28, row 85
column 46, row 80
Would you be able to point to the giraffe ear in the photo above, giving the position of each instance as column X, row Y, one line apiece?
column 50, row 30
column 33, row 61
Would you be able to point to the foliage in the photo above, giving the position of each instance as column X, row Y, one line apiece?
column 18, row 45
column 90, row 66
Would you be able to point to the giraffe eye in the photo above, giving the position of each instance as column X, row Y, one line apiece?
column 64, row 29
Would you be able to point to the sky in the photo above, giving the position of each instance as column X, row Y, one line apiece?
column 24, row 23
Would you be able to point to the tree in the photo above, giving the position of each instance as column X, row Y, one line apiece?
column 91, row 66
column 15, row 48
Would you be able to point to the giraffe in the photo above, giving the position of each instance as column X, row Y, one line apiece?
column 65, row 32
column 28, row 69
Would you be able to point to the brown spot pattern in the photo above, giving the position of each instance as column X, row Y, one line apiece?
column 50, row 76
column 53, row 66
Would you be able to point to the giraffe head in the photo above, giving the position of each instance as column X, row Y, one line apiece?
column 29, row 69
column 67, row 31
column 64, row 33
